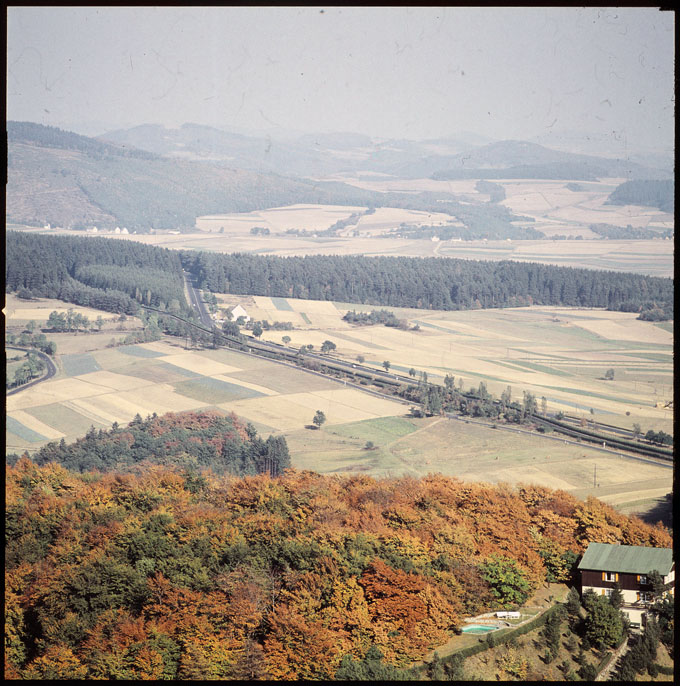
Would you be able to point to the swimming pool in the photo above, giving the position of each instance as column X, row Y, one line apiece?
column 478, row 629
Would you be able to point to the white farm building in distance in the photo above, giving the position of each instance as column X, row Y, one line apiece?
column 239, row 311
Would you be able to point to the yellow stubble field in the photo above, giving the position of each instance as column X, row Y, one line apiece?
column 561, row 354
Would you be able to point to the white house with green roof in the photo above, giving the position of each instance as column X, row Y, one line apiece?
column 604, row 565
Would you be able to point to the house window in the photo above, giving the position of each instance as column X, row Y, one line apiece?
column 645, row 597
column 607, row 592
column 610, row 576
column 643, row 578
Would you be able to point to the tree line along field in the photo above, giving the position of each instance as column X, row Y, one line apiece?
column 98, row 385
column 556, row 206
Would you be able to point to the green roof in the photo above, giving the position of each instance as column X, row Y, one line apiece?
column 634, row 559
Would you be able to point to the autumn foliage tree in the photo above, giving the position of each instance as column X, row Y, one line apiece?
column 175, row 572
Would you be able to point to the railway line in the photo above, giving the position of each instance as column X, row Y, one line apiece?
column 608, row 441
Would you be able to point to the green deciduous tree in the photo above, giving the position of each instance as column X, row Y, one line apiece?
column 508, row 582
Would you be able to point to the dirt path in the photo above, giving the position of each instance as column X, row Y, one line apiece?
column 417, row 431
column 611, row 665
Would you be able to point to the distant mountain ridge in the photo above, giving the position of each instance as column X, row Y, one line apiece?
column 522, row 159
column 53, row 137
column 307, row 155
column 315, row 155
column 65, row 179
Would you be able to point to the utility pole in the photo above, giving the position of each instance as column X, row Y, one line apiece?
column 594, row 476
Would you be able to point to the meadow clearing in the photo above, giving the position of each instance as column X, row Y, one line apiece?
column 19, row 312
column 470, row 452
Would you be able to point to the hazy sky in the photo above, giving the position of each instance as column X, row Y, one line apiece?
column 388, row 72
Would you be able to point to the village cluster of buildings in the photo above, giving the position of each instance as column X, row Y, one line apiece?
column 94, row 229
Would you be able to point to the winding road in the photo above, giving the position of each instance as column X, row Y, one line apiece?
column 51, row 368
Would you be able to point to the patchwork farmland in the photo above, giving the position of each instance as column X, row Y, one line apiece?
column 561, row 354
column 557, row 353
column 112, row 385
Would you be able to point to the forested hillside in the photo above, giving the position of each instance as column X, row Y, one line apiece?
column 53, row 137
column 67, row 180
column 649, row 193
column 436, row 283
column 316, row 155
column 96, row 272
column 165, row 573
column 188, row 440
column 72, row 181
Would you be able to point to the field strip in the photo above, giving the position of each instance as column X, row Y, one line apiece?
column 86, row 410
column 275, row 411
column 103, row 411
column 122, row 407
column 158, row 398
column 113, row 381
column 632, row 496
column 352, row 339
column 356, row 399
column 160, row 347
column 523, row 474
column 35, row 425
column 281, row 304
column 79, row 364
column 199, row 364
column 137, row 350
column 53, row 391
column 17, row 430
column 245, row 384
column 635, row 330
column 296, row 410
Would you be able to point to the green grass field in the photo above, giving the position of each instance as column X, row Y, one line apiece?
column 63, row 418
column 77, row 364
column 216, row 391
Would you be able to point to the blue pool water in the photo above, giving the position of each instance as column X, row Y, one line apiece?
column 478, row 629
